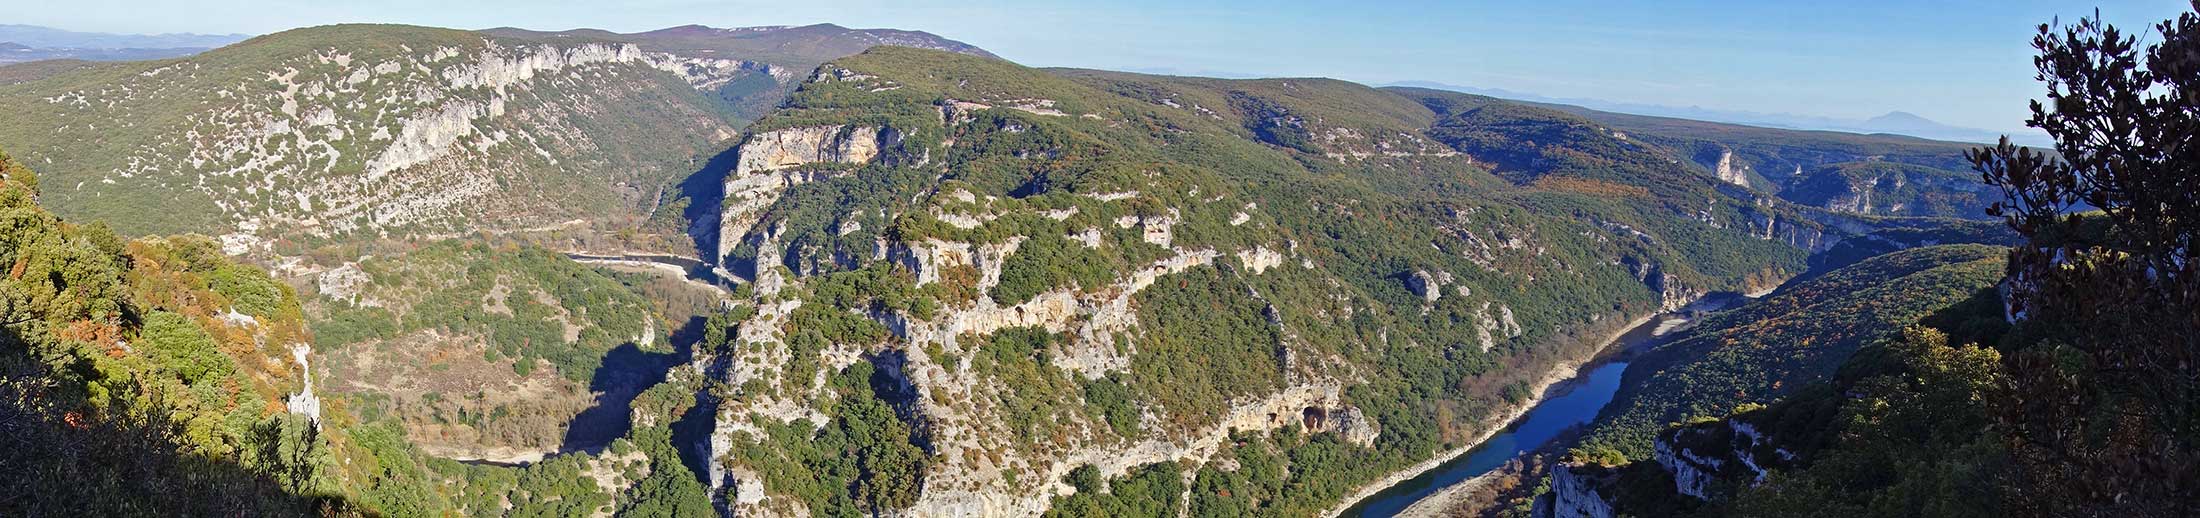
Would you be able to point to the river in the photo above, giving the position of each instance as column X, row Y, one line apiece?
column 692, row 268
column 1575, row 401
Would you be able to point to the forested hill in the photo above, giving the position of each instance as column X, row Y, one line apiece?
column 1098, row 284
column 1888, row 175
column 1862, row 392
column 1787, row 341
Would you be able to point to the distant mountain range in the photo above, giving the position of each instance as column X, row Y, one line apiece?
column 1897, row 122
column 21, row 43
column 48, row 37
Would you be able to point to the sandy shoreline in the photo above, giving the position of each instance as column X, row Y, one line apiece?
column 1559, row 373
column 1444, row 499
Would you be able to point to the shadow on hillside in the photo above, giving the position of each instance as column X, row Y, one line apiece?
column 691, row 433
column 627, row 371
column 705, row 192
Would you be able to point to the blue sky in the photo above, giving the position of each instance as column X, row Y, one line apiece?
column 1961, row 62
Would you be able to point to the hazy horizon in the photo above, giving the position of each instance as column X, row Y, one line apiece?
column 1966, row 64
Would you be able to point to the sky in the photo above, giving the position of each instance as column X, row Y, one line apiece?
column 1961, row 62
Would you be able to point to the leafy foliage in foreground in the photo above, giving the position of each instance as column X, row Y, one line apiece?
column 145, row 378
column 2105, row 415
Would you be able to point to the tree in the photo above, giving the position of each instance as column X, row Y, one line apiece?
column 670, row 490
column 2105, row 400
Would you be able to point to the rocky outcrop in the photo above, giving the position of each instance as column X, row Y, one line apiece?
column 1574, row 494
column 1429, row 287
column 346, row 283
column 1259, row 259
column 1692, row 473
column 1350, row 423
column 1488, row 326
column 1705, row 457
column 1159, row 230
column 1672, row 294
column 1809, row 235
column 770, row 162
column 304, row 402
column 1730, row 172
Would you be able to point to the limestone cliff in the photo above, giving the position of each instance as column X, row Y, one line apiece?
column 1044, row 272
column 347, row 132
column 1574, row 494
column 770, row 162
column 1730, row 172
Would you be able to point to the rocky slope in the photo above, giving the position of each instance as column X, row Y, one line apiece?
column 327, row 134
column 1048, row 272
column 289, row 144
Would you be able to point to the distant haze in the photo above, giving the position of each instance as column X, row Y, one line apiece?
column 45, row 37
column 1896, row 122
column 1965, row 63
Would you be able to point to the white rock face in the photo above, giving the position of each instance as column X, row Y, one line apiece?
column 1425, row 285
column 1090, row 237
column 1159, row 230
column 304, row 402
column 428, row 137
column 1697, row 468
column 763, row 170
column 1692, row 473
column 1730, row 172
column 1259, row 259
column 1572, row 496
column 324, row 142
column 1488, row 328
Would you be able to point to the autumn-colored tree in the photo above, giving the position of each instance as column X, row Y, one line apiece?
column 2105, row 404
